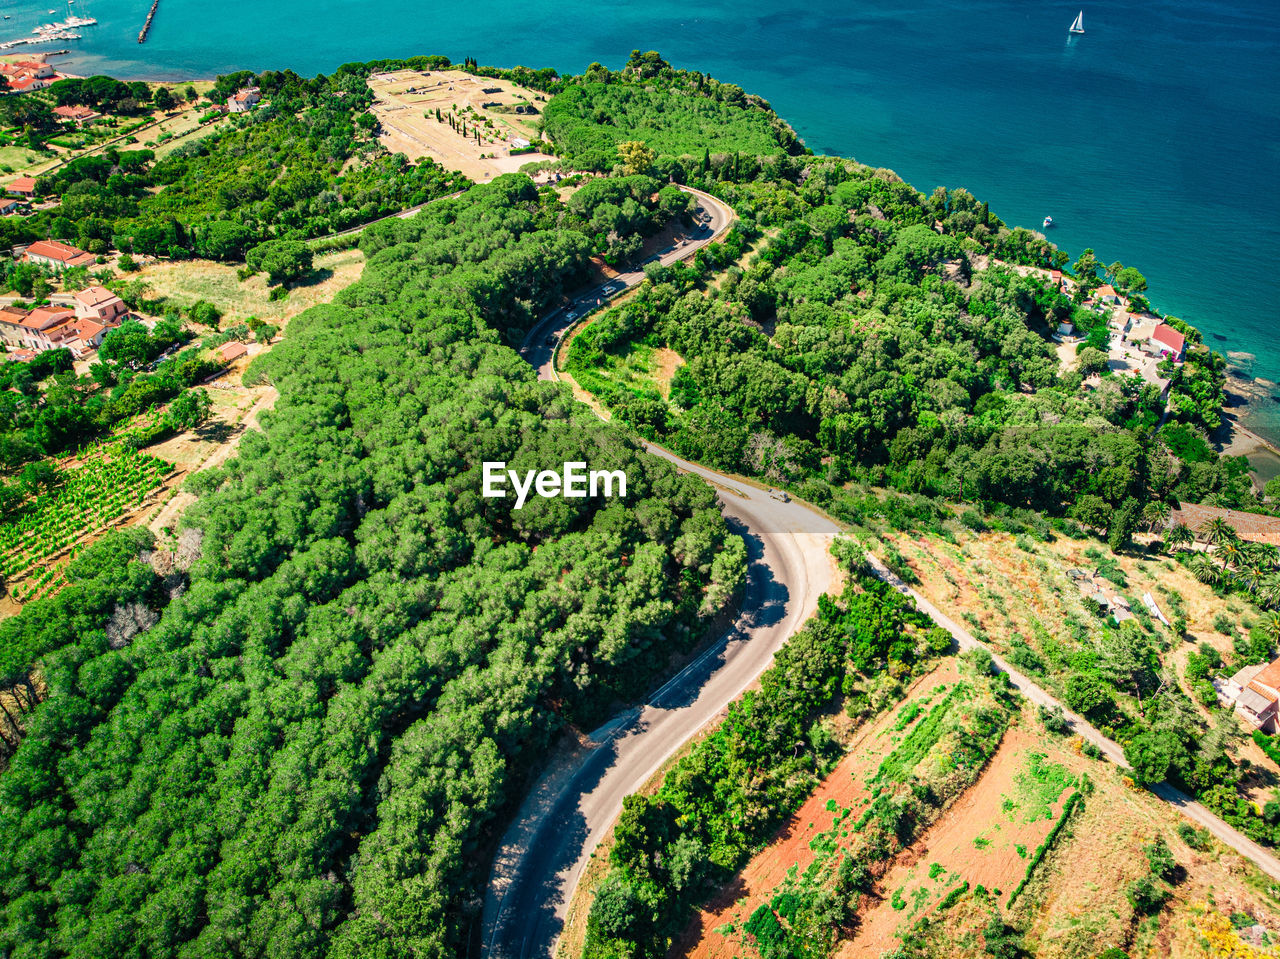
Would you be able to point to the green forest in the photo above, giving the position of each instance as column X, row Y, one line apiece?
column 858, row 344
column 297, row 735
column 674, row 113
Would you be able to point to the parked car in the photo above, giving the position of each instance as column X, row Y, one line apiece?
column 780, row 495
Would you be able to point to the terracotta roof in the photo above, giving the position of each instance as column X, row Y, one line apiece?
column 75, row 113
column 13, row 314
column 232, row 350
column 24, row 184
column 1106, row 290
column 95, row 296
column 1250, row 527
column 43, row 317
column 1269, row 680
column 88, row 329
column 1167, row 335
column 62, row 252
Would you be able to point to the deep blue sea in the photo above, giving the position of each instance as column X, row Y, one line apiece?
column 1153, row 138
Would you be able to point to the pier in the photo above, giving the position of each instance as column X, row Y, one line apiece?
column 146, row 27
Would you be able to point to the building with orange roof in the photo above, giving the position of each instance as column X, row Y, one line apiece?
column 24, row 186
column 80, row 115
column 59, row 255
column 1259, row 695
column 99, row 303
column 1107, row 294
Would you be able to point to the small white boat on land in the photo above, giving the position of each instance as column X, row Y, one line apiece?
column 1077, row 25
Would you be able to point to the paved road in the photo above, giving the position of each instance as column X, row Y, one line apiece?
column 1263, row 858
column 539, row 345
column 566, row 815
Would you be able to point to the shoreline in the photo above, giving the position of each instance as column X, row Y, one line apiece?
column 1236, row 439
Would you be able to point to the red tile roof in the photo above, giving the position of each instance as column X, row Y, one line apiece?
column 43, row 317
column 24, row 184
column 232, row 350
column 62, row 252
column 1106, row 290
column 75, row 113
column 1168, row 336
column 95, row 296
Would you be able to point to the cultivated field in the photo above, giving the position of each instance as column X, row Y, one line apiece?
column 407, row 102
column 717, row 932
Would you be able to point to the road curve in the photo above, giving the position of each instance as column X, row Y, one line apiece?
column 566, row 815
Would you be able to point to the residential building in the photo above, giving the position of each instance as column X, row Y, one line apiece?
column 1107, row 294
column 99, row 303
column 245, row 100
column 1166, row 341
column 58, row 255
column 47, row 327
column 11, row 329
column 24, row 186
column 1250, row 527
column 80, row 115
column 8, row 206
column 1259, row 694
column 232, row 351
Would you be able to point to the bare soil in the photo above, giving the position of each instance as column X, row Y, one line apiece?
column 845, row 786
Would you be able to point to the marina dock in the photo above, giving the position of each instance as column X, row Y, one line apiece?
column 47, row 32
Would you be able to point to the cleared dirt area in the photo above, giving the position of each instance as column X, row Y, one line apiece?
column 191, row 280
column 709, row 934
column 984, row 839
column 407, row 103
column 235, row 410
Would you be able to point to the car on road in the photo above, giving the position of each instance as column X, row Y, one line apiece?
column 571, row 315
column 779, row 495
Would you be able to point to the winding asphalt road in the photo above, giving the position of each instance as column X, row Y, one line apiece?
column 560, row 824
column 567, row 814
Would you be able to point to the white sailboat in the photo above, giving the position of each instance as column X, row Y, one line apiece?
column 1077, row 25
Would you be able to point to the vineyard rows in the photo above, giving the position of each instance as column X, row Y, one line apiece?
column 112, row 480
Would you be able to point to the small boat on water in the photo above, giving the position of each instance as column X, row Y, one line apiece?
column 1077, row 25
column 1048, row 222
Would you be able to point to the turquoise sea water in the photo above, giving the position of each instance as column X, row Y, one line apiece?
column 1154, row 138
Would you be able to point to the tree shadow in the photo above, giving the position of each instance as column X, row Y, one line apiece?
column 312, row 278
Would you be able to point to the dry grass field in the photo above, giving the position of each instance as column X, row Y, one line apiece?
column 406, row 104
column 187, row 281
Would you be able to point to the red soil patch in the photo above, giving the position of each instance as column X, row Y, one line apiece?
column 978, row 814
column 756, row 882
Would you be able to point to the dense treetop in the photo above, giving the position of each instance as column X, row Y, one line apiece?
column 673, row 112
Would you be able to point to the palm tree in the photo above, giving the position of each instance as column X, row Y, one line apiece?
column 1269, row 590
column 1251, row 577
column 1156, row 515
column 1179, row 536
column 1206, row 570
column 1231, row 553
column 1260, row 554
column 1270, row 625
column 1217, row 531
